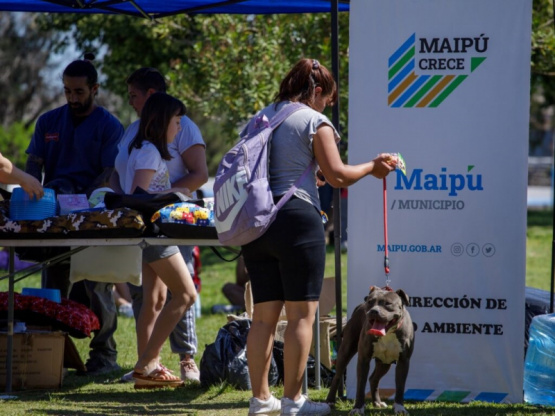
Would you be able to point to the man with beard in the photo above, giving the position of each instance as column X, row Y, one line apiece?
column 73, row 148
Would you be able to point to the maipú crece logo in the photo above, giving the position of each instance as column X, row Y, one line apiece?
column 425, row 73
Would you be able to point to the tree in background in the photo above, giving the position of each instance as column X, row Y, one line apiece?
column 25, row 79
column 25, row 52
column 543, row 48
column 224, row 67
column 542, row 83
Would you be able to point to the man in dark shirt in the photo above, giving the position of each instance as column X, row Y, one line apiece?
column 73, row 150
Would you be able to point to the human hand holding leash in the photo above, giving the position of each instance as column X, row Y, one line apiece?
column 382, row 165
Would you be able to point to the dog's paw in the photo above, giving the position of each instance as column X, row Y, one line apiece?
column 379, row 405
column 399, row 408
column 357, row 411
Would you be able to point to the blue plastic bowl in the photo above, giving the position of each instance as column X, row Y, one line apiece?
column 18, row 195
column 50, row 294
column 24, row 208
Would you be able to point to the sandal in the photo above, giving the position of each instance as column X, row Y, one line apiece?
column 160, row 377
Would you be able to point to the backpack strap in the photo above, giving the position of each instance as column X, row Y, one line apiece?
column 285, row 112
column 260, row 121
column 237, row 253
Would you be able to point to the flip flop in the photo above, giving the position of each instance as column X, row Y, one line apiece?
column 158, row 378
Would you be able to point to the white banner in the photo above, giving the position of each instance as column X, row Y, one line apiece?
column 446, row 84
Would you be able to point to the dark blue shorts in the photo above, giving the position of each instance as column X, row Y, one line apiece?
column 288, row 261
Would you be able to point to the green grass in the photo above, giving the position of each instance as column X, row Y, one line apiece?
column 539, row 238
column 103, row 395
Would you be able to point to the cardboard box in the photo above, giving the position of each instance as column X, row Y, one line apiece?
column 72, row 359
column 37, row 361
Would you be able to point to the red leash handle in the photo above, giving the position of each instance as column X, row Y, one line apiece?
column 386, row 257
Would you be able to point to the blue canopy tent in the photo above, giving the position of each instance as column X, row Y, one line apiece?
column 161, row 8
column 154, row 9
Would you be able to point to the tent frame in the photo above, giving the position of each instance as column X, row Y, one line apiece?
column 114, row 7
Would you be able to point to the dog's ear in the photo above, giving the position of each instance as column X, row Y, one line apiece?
column 404, row 297
column 372, row 288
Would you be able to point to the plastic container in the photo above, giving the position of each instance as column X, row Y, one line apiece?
column 19, row 327
column 50, row 294
column 97, row 197
column 24, row 208
column 539, row 365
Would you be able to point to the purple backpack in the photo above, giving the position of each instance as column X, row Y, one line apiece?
column 243, row 202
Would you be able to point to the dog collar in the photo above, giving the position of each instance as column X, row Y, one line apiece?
column 399, row 323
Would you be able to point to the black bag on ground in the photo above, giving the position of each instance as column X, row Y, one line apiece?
column 277, row 352
column 225, row 360
column 326, row 375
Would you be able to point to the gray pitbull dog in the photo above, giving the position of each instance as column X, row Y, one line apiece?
column 379, row 328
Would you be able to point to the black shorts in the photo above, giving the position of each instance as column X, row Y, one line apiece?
column 288, row 261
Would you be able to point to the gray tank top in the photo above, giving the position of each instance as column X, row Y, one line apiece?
column 291, row 152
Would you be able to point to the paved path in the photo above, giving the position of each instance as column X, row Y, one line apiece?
column 540, row 196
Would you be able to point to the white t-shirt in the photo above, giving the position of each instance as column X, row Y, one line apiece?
column 147, row 157
column 188, row 136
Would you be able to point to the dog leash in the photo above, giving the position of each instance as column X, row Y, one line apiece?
column 386, row 250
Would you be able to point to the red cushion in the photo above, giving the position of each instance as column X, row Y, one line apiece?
column 70, row 316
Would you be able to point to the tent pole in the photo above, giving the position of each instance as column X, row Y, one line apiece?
column 337, row 191
column 141, row 11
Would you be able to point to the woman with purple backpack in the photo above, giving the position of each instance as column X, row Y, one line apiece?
column 286, row 264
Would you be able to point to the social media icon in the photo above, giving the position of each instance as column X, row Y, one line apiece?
column 488, row 249
column 472, row 249
column 457, row 249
